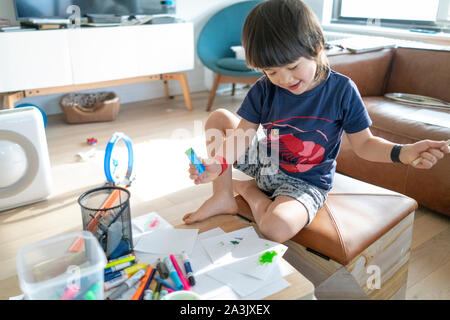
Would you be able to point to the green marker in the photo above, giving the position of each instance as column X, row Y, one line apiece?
column 157, row 291
column 92, row 292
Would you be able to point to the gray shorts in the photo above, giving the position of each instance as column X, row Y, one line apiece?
column 274, row 182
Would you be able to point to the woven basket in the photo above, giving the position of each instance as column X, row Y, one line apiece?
column 90, row 107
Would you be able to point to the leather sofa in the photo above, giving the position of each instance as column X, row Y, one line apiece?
column 400, row 70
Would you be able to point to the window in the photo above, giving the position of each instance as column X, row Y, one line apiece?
column 423, row 14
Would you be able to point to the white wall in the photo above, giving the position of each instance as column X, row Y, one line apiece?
column 196, row 11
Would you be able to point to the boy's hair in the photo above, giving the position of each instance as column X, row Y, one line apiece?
column 279, row 32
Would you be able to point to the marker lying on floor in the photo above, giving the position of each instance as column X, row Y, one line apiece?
column 416, row 162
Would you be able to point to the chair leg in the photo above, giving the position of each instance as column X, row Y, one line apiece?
column 186, row 93
column 233, row 88
column 166, row 89
column 212, row 94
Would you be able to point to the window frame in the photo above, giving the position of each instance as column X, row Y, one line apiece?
column 390, row 23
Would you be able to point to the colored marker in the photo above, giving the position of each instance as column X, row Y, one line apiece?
column 140, row 290
column 195, row 161
column 70, row 292
column 148, row 295
column 165, row 284
column 126, row 285
column 173, row 274
column 115, row 262
column 187, row 267
column 92, row 292
column 162, row 269
column 115, row 282
column 157, row 290
column 118, row 267
column 163, row 293
column 128, row 271
column 184, row 281
column 149, row 281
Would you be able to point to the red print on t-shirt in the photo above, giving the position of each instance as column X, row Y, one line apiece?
column 295, row 154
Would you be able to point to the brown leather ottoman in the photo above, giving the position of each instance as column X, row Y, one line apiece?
column 358, row 246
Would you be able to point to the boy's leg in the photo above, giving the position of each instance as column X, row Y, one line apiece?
column 222, row 200
column 278, row 220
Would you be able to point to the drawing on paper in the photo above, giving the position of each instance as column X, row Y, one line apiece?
column 267, row 257
column 152, row 223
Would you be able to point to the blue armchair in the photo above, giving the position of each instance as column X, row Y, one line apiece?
column 221, row 31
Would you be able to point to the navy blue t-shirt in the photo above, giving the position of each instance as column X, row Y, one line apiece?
column 307, row 128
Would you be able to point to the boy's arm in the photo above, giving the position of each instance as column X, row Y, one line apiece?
column 377, row 149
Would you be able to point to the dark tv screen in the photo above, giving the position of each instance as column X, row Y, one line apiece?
column 57, row 8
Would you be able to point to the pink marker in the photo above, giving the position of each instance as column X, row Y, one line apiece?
column 183, row 279
column 70, row 292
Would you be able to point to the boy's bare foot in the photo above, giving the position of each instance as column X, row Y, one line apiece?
column 217, row 204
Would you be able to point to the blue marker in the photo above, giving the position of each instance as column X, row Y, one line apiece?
column 195, row 161
column 165, row 283
column 187, row 267
column 173, row 274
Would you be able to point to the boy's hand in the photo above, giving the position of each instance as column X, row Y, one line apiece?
column 429, row 151
column 212, row 170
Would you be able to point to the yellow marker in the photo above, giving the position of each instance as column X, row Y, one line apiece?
column 115, row 262
column 135, row 268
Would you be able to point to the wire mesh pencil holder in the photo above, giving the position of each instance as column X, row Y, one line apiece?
column 106, row 214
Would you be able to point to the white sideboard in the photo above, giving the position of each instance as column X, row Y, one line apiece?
column 34, row 59
column 61, row 60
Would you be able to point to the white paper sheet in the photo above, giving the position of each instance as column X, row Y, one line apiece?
column 200, row 260
column 210, row 277
column 256, row 257
column 219, row 248
column 149, row 222
column 211, row 280
column 168, row 241
column 241, row 283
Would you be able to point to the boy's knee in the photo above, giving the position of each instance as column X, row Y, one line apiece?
column 280, row 227
column 220, row 119
column 275, row 231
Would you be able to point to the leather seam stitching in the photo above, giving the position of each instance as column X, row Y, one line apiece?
column 338, row 231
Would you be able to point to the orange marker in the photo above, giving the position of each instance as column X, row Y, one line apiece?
column 76, row 246
column 140, row 290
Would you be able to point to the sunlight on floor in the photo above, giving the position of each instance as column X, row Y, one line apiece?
column 159, row 174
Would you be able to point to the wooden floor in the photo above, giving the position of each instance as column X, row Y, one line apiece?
column 161, row 131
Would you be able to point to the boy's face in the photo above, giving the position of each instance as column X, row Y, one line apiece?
column 297, row 77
